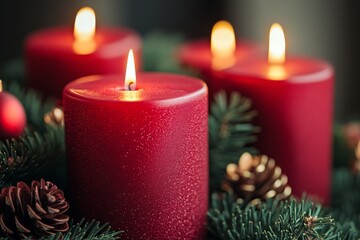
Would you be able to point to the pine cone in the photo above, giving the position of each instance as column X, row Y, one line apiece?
column 33, row 212
column 255, row 179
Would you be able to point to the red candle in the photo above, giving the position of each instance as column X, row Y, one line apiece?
column 294, row 100
column 223, row 52
column 55, row 57
column 139, row 157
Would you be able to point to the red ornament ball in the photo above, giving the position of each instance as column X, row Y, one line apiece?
column 12, row 116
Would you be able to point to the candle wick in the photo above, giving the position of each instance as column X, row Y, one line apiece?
column 131, row 86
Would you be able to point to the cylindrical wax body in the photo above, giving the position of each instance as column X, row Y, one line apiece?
column 139, row 158
column 295, row 111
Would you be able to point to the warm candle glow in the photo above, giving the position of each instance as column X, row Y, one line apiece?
column 84, row 31
column 130, row 75
column 276, row 45
column 223, row 45
column 276, row 57
column 276, row 72
column 357, row 151
column 223, row 40
column 1, row 86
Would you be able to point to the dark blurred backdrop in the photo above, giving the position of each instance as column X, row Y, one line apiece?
column 322, row 28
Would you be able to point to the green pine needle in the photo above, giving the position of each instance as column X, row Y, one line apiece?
column 230, row 132
column 83, row 230
column 272, row 220
column 23, row 157
column 275, row 220
column 346, row 196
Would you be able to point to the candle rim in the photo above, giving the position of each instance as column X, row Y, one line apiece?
column 325, row 71
column 200, row 89
column 40, row 39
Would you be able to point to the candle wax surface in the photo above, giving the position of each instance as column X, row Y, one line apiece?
column 300, row 70
column 294, row 105
column 150, row 88
column 140, row 157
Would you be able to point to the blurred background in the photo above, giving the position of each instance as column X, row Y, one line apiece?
column 322, row 29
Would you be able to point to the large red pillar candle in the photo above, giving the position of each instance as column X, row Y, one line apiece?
column 139, row 158
column 55, row 57
column 294, row 101
column 222, row 51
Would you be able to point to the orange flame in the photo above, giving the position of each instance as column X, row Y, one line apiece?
column 130, row 75
column 223, row 45
column 84, row 31
column 276, row 45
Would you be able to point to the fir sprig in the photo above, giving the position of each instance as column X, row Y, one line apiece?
column 277, row 220
column 230, row 132
column 271, row 220
column 22, row 158
column 40, row 145
column 346, row 195
column 83, row 230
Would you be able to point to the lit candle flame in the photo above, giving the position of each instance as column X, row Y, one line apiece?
column 130, row 75
column 276, row 57
column 1, row 86
column 276, row 45
column 84, row 31
column 223, row 45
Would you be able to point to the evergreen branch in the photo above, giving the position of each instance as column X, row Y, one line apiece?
column 346, row 196
column 83, row 230
column 270, row 220
column 92, row 230
column 29, row 154
column 345, row 231
column 40, row 144
column 230, row 133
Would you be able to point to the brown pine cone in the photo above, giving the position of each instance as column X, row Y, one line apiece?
column 255, row 179
column 33, row 212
